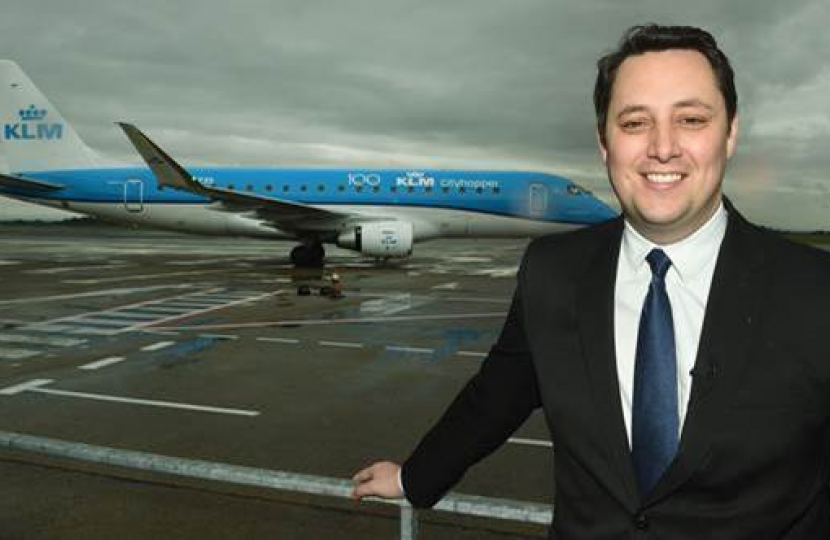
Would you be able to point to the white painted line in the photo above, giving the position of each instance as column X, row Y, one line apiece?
column 219, row 336
column 166, row 309
column 135, row 315
column 472, row 353
column 7, row 262
column 64, row 269
column 346, row 344
column 409, row 349
column 36, row 386
column 158, row 346
column 104, row 362
column 356, row 320
column 90, row 319
column 103, row 292
column 41, row 340
column 16, row 354
column 88, row 330
column 150, row 402
column 38, row 327
column 154, row 333
column 278, row 340
column 530, row 442
column 137, row 277
column 446, row 286
column 22, row 387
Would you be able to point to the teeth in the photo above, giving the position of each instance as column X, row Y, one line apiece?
column 663, row 178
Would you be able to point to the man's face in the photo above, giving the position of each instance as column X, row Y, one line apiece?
column 667, row 142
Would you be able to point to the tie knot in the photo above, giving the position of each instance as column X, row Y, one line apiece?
column 659, row 262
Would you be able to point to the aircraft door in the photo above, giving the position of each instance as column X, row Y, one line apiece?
column 538, row 200
column 134, row 195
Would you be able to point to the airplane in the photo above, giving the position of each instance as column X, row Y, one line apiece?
column 380, row 213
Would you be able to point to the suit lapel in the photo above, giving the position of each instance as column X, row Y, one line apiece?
column 595, row 307
column 731, row 308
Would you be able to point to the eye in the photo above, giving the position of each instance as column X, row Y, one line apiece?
column 633, row 124
column 693, row 121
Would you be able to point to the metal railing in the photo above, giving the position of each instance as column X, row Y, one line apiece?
column 456, row 503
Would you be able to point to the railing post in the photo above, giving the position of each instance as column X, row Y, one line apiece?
column 409, row 522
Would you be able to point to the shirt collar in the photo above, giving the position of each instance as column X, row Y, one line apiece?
column 689, row 256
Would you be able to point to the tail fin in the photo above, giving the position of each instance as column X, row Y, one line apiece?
column 34, row 136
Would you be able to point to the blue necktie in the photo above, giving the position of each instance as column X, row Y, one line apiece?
column 654, row 416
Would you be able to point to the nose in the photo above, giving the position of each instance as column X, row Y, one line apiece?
column 663, row 144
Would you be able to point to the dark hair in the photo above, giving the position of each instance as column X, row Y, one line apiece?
column 653, row 37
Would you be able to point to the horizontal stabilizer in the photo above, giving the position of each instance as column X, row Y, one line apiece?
column 24, row 184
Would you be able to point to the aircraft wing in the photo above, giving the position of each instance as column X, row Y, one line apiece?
column 26, row 184
column 169, row 173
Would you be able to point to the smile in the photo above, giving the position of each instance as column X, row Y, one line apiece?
column 664, row 178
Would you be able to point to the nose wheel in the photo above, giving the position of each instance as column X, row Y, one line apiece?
column 308, row 255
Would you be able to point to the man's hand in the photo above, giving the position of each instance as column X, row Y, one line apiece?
column 379, row 480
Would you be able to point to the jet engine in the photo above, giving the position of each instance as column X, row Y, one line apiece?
column 379, row 238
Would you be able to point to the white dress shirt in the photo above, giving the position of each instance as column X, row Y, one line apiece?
column 687, row 283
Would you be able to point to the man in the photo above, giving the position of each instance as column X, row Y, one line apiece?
column 680, row 354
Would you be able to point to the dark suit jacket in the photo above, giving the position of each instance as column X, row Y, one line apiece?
column 754, row 454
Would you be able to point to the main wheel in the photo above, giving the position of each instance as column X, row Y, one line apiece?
column 308, row 256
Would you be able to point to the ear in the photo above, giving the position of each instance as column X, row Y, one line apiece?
column 732, row 138
column 603, row 151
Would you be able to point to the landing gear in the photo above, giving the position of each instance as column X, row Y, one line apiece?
column 309, row 255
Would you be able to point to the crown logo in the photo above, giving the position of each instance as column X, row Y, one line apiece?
column 32, row 113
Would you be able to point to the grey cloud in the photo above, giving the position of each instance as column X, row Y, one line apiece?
column 470, row 83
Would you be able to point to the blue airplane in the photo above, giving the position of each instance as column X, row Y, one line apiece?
column 380, row 213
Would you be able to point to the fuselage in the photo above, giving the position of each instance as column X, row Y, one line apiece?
column 439, row 203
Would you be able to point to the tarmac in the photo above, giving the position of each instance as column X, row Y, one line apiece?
column 200, row 348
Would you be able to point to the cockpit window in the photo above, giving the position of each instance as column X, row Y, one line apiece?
column 573, row 189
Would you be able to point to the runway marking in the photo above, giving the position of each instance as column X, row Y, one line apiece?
column 530, row 442
column 472, row 353
column 8, row 262
column 222, row 337
column 446, row 286
column 139, row 277
column 279, row 340
column 17, row 354
column 355, row 320
column 64, row 269
column 41, row 340
column 397, row 348
column 132, row 315
column 155, row 333
column 104, row 362
column 104, row 292
column 94, row 318
column 158, row 346
column 23, row 387
column 346, row 344
column 38, row 384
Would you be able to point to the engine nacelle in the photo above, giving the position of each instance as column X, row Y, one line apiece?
column 379, row 238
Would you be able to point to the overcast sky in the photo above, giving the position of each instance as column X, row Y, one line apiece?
column 502, row 84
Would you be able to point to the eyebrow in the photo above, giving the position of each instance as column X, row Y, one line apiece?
column 694, row 102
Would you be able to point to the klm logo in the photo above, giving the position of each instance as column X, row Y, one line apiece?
column 32, row 126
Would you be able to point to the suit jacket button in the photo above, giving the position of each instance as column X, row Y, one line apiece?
column 641, row 522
